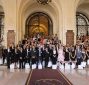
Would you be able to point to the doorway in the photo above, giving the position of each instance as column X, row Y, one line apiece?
column 38, row 23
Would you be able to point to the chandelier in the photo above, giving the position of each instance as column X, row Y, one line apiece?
column 44, row 2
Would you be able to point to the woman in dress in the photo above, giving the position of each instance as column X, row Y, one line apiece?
column 60, row 55
column 72, row 54
column 54, row 55
column 67, row 54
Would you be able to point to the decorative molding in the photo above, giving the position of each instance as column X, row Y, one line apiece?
column 10, row 37
column 70, row 37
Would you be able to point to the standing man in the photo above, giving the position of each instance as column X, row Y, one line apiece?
column 8, row 57
column 46, row 54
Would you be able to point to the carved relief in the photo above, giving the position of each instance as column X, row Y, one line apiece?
column 10, row 37
column 70, row 37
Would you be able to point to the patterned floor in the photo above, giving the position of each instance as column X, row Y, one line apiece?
column 18, row 77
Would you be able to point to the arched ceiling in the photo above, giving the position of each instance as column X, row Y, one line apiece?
column 29, row 2
column 83, row 7
column 83, row 2
column 26, row 5
column 1, row 6
column 1, row 9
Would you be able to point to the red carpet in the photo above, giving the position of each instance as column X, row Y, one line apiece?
column 47, row 77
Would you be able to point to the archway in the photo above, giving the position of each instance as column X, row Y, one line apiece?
column 82, row 18
column 82, row 24
column 38, row 22
column 30, row 7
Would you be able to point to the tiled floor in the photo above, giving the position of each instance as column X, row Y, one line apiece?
column 13, row 77
column 77, row 77
column 18, row 77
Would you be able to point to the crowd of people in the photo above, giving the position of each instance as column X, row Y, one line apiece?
column 39, row 49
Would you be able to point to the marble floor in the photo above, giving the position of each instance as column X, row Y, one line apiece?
column 18, row 77
column 77, row 77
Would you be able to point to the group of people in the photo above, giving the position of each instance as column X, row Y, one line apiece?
column 39, row 49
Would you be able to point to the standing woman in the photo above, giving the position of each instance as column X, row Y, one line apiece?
column 54, row 55
column 60, row 55
column 72, row 54
column 67, row 54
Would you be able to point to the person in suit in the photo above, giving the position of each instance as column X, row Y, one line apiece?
column 28, row 55
column 4, row 54
column 8, row 57
column 12, row 53
column 39, row 54
column 50, row 48
column 43, row 55
column 54, row 55
column 46, row 56
column 79, row 56
column 87, row 54
column 16, row 57
column 33, row 55
column 21, row 58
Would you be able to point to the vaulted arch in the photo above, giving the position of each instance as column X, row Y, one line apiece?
column 53, row 10
column 82, row 18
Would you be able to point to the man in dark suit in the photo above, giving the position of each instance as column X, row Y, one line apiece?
column 28, row 55
column 21, row 58
column 8, row 57
column 46, row 55
column 33, row 55
column 4, row 54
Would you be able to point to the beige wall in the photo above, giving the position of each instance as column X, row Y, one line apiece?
column 9, row 7
column 62, row 13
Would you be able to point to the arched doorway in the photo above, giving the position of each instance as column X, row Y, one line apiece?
column 38, row 23
column 82, row 24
